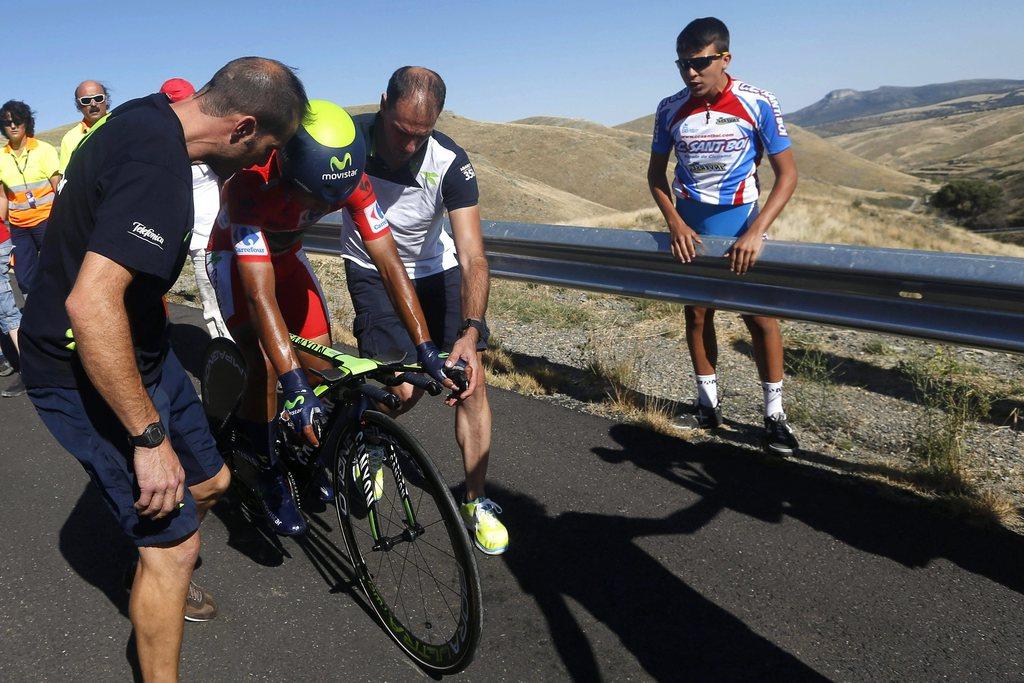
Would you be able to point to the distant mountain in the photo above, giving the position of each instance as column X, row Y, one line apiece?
column 843, row 105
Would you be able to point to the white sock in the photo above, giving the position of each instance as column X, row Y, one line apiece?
column 707, row 390
column 772, row 398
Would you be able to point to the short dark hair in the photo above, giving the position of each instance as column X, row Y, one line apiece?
column 416, row 79
column 20, row 112
column 260, row 87
column 700, row 33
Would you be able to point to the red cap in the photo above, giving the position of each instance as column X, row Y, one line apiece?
column 177, row 89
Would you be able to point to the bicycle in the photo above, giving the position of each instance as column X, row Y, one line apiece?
column 391, row 501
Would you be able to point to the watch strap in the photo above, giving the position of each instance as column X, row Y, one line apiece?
column 479, row 325
column 151, row 437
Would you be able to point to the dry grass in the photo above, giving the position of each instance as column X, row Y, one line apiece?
column 530, row 303
column 829, row 215
column 963, row 142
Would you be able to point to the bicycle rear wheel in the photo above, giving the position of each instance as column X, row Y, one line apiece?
column 408, row 545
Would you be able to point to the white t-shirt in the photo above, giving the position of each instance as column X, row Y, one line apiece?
column 438, row 178
column 206, row 199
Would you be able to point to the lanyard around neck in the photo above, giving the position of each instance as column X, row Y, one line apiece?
column 22, row 169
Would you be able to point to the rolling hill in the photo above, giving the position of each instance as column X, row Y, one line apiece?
column 978, row 136
column 977, row 142
column 844, row 105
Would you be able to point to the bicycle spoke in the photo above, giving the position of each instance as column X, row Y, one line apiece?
column 438, row 587
column 440, row 550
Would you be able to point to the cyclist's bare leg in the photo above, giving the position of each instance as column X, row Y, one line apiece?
column 258, row 403
column 157, row 605
column 701, row 339
column 308, row 360
column 207, row 493
column 766, row 338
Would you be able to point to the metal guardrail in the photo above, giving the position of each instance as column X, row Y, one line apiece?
column 998, row 231
column 959, row 298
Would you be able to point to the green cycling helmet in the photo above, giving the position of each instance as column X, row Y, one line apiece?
column 326, row 156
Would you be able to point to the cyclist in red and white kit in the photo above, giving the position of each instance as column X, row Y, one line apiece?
column 266, row 288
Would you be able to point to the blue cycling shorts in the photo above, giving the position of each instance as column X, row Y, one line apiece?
column 719, row 220
column 83, row 423
column 378, row 328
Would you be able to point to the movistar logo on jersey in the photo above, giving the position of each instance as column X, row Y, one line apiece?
column 338, row 167
column 429, row 179
column 291, row 405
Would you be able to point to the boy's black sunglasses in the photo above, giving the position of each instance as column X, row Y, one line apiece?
column 698, row 64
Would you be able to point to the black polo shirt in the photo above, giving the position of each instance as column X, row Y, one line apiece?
column 126, row 195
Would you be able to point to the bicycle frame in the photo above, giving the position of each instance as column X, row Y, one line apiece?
column 355, row 369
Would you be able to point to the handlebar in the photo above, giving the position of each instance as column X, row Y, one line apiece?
column 428, row 384
column 380, row 395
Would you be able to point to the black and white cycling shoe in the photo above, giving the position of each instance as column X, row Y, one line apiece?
column 778, row 436
column 702, row 417
column 279, row 504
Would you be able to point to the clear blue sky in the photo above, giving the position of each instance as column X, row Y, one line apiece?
column 605, row 61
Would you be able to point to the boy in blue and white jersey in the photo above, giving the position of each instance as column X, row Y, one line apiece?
column 720, row 128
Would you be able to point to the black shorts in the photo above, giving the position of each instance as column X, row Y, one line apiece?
column 378, row 328
column 83, row 423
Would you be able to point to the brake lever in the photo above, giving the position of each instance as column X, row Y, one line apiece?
column 457, row 374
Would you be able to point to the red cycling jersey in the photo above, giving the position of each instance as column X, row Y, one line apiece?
column 264, row 219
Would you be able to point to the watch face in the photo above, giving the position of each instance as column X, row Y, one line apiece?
column 151, row 436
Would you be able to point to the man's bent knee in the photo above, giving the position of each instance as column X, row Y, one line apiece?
column 178, row 557
column 207, row 493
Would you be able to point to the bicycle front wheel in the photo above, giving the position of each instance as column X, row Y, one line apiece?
column 408, row 545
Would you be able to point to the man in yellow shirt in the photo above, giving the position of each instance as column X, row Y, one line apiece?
column 29, row 171
column 93, row 100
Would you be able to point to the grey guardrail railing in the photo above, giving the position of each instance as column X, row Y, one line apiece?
column 959, row 298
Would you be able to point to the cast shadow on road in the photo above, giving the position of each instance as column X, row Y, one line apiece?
column 91, row 526
column 671, row 629
column 872, row 517
column 249, row 534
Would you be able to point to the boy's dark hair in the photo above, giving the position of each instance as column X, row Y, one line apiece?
column 259, row 87
column 19, row 113
column 700, row 33
column 412, row 79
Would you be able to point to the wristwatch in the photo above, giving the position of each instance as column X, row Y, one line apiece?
column 479, row 325
column 151, row 437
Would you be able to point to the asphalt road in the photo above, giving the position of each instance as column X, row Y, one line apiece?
column 633, row 557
